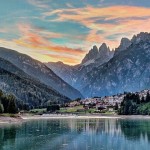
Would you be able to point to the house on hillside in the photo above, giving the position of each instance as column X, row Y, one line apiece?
column 74, row 103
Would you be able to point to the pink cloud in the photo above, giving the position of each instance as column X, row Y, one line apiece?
column 128, row 20
column 36, row 40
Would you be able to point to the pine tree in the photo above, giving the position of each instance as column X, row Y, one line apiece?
column 148, row 97
column 12, row 108
column 1, row 108
column 137, row 99
column 142, row 100
column 5, row 103
column 1, row 94
column 116, row 106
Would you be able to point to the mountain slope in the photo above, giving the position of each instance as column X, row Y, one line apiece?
column 129, row 70
column 24, row 87
column 66, row 72
column 40, row 72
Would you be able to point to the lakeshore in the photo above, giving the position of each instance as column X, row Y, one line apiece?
column 23, row 118
column 51, row 116
column 11, row 120
column 48, row 133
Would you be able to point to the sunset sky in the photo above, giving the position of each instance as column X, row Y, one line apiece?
column 65, row 30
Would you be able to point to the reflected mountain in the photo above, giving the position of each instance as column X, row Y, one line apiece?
column 76, row 134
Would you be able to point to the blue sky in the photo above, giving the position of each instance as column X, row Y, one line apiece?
column 65, row 30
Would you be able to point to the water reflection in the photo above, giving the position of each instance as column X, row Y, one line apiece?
column 140, row 129
column 7, row 136
column 74, row 134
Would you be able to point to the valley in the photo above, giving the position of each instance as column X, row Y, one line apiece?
column 102, row 73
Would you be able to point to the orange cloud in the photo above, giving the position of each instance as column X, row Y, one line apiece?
column 65, row 59
column 90, row 14
column 43, row 56
column 26, row 30
column 31, row 38
column 115, row 22
column 111, row 20
column 35, row 42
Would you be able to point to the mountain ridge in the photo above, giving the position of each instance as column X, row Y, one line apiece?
column 39, row 71
column 88, row 70
column 25, row 88
column 119, row 74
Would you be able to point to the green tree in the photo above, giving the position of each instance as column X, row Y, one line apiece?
column 1, row 94
column 77, row 99
column 127, row 109
column 1, row 108
column 12, row 107
column 130, row 110
column 129, row 104
column 116, row 106
column 137, row 97
column 5, row 102
column 148, row 97
column 143, row 99
column 53, row 108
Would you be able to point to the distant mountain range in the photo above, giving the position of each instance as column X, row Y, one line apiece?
column 40, row 72
column 104, row 72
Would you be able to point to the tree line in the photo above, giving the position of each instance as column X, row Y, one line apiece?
column 8, row 103
column 132, row 104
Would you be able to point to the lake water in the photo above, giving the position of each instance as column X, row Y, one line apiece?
column 74, row 134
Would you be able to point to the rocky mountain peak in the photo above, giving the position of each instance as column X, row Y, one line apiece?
column 103, row 53
column 103, row 47
column 59, row 63
column 91, row 55
column 94, row 48
column 128, row 71
column 143, row 36
column 124, row 44
column 98, row 75
column 104, row 50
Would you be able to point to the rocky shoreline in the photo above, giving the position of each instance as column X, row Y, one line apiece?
column 10, row 120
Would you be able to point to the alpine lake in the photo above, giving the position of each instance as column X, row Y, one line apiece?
column 76, row 134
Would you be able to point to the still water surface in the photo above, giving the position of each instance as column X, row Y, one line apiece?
column 75, row 134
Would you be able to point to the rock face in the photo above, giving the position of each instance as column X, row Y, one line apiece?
column 97, row 56
column 143, row 36
column 39, row 71
column 25, row 88
column 124, row 44
column 129, row 70
column 93, row 53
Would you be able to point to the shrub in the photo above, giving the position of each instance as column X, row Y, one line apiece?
column 53, row 108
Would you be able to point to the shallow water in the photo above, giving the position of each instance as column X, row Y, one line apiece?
column 75, row 134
